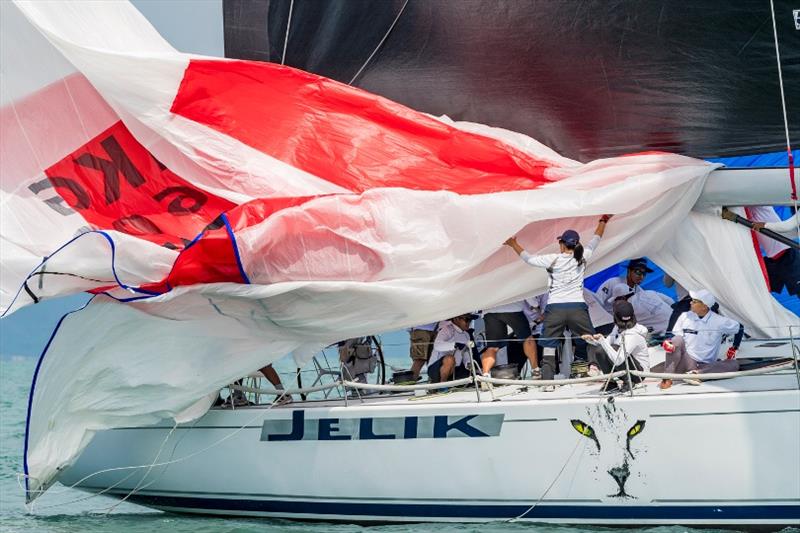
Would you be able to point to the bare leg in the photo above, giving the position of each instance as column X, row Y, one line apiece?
column 416, row 367
column 530, row 349
column 272, row 376
column 488, row 359
column 448, row 365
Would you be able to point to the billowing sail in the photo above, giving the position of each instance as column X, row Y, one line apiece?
column 227, row 213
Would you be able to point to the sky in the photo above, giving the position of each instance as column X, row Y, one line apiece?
column 193, row 26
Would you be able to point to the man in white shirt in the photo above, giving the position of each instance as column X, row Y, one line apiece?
column 782, row 262
column 451, row 349
column 636, row 270
column 652, row 308
column 698, row 335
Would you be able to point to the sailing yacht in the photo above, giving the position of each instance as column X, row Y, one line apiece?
column 225, row 213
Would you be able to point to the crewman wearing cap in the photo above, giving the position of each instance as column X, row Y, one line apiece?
column 451, row 349
column 698, row 335
column 652, row 308
column 636, row 270
column 625, row 347
column 566, row 306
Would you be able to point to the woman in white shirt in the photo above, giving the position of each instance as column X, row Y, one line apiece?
column 566, row 307
column 625, row 348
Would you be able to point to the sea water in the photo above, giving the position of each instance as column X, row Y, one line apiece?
column 63, row 509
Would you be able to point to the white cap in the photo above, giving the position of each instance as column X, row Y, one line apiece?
column 621, row 289
column 704, row 296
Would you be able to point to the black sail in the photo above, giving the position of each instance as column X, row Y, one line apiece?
column 588, row 78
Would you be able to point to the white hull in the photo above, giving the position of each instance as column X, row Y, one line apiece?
column 722, row 453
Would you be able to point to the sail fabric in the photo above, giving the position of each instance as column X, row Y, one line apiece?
column 228, row 213
column 593, row 79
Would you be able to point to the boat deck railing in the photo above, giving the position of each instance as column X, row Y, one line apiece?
column 352, row 390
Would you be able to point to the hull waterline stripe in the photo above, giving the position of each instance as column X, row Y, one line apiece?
column 595, row 512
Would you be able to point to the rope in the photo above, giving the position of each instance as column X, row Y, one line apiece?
column 379, row 44
column 783, row 108
column 569, row 458
column 259, row 413
column 286, row 36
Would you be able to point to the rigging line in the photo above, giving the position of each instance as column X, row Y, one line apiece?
column 43, row 273
column 564, row 466
column 783, row 108
column 379, row 44
column 259, row 413
column 286, row 36
column 139, row 486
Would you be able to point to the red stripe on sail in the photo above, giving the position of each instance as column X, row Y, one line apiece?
column 345, row 135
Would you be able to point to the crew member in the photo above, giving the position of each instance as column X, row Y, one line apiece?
column 566, row 307
column 451, row 349
column 652, row 308
column 625, row 348
column 635, row 272
column 698, row 335
column 497, row 322
column 782, row 262
column 421, row 345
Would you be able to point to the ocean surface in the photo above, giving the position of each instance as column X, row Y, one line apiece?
column 68, row 510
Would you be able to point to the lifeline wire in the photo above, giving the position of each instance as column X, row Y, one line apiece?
column 379, row 44
column 783, row 108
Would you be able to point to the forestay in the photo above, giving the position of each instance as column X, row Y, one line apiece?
column 233, row 212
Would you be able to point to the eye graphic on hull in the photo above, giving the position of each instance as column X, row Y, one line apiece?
column 635, row 429
column 586, row 430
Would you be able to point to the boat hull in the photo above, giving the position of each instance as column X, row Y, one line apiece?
column 701, row 455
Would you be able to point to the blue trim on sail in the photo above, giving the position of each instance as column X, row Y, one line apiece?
column 57, row 250
column 465, row 511
column 235, row 248
column 33, row 388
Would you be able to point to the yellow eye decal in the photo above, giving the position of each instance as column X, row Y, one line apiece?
column 583, row 428
column 586, row 430
column 636, row 429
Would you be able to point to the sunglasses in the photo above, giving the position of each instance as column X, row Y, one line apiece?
column 639, row 272
column 696, row 301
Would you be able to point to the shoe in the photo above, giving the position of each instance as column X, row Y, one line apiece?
column 665, row 384
column 578, row 369
column 594, row 371
column 486, row 386
column 625, row 388
column 536, row 373
column 283, row 400
column 548, row 388
column 694, row 382
column 611, row 386
column 237, row 399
